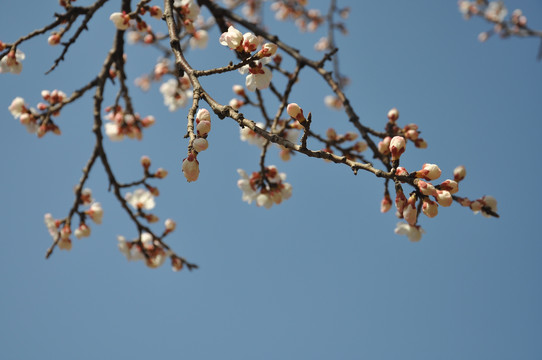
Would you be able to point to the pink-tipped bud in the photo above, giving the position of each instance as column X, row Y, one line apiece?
column 400, row 201
column 203, row 127
column 203, row 115
column 384, row 146
column 385, row 204
column 190, row 167
column 268, row 49
column 145, row 162
column 148, row 121
column 239, row 90
column 296, row 112
column 426, row 188
column 429, row 172
column 444, row 198
column 449, row 185
column 430, row 208
column 170, row 225
column 161, row 173
column 331, row 134
column 397, row 147
column 201, row 144
column 393, row 115
column 401, row 171
column 459, row 173
column 65, row 232
column 410, row 214
column 54, row 39
column 360, row 146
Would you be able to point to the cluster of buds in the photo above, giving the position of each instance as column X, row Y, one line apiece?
column 190, row 165
column 125, row 124
column 189, row 12
column 150, row 249
column 145, row 248
column 60, row 230
column 265, row 188
column 31, row 119
column 409, row 132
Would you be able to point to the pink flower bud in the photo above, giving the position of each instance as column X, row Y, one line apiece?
column 410, row 214
column 384, row 146
column 360, row 146
column 449, row 185
column 459, row 173
column 385, row 204
column 203, row 115
column 426, row 188
column 401, row 171
column 296, row 112
column 430, row 208
column 429, row 172
column 170, row 225
column 400, row 201
column 239, row 90
column 54, row 39
column 190, row 167
column 397, row 147
column 268, row 49
column 203, row 127
column 145, row 161
column 121, row 20
column 331, row 134
column 200, row 144
column 148, row 121
column 161, row 173
column 444, row 198
column 393, row 115
column 156, row 12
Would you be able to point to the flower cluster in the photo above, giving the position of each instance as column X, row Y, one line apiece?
column 259, row 76
column 125, row 124
column 150, row 249
column 60, row 230
column 32, row 120
column 495, row 12
column 265, row 188
column 176, row 93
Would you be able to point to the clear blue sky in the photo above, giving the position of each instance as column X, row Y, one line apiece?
column 322, row 276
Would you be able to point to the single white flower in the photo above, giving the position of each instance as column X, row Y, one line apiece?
column 414, row 233
column 141, row 199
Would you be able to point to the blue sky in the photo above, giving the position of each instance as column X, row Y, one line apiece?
column 322, row 276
